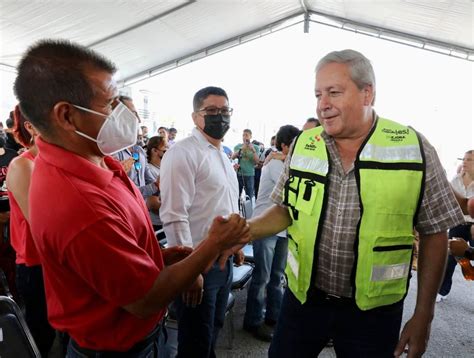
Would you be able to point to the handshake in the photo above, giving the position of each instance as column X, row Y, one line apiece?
column 229, row 232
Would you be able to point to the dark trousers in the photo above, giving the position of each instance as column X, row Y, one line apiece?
column 247, row 182
column 462, row 231
column 31, row 290
column 303, row 330
column 198, row 327
column 266, row 292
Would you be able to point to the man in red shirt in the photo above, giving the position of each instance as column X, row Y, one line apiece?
column 107, row 282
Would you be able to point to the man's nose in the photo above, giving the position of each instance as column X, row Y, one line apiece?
column 324, row 103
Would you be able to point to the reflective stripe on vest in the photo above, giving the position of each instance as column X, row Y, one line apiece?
column 305, row 163
column 385, row 154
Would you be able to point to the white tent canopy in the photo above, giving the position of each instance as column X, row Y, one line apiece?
column 145, row 38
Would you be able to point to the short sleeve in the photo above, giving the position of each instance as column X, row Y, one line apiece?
column 278, row 190
column 439, row 210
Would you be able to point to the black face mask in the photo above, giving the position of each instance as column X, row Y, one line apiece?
column 216, row 126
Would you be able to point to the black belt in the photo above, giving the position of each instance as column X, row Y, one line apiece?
column 138, row 347
column 317, row 296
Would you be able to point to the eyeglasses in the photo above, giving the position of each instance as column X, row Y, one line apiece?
column 212, row 111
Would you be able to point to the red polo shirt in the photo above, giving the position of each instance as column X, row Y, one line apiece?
column 97, row 247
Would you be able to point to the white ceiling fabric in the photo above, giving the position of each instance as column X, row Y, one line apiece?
column 141, row 36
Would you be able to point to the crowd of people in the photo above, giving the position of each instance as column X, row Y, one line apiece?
column 91, row 193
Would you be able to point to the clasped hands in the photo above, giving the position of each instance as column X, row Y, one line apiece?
column 229, row 233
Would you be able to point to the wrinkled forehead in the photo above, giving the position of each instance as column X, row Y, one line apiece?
column 332, row 74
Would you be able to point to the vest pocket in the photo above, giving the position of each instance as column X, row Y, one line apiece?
column 390, row 267
column 307, row 194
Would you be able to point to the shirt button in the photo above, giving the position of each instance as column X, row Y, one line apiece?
column 339, row 212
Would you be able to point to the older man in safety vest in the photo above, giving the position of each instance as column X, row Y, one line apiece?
column 350, row 194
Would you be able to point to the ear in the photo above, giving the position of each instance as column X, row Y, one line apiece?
column 369, row 95
column 194, row 116
column 63, row 116
column 30, row 129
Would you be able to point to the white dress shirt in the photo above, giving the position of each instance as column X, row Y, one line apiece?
column 197, row 184
column 270, row 175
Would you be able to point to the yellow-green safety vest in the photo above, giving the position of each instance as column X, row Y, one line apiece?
column 389, row 170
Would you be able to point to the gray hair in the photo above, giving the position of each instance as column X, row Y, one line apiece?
column 362, row 73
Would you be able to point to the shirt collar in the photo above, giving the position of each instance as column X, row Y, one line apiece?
column 77, row 165
column 202, row 141
column 375, row 117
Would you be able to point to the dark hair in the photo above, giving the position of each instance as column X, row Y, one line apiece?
column 248, row 131
column 285, row 135
column 166, row 129
column 313, row 120
column 173, row 130
column 203, row 93
column 19, row 131
column 154, row 142
column 52, row 71
column 10, row 121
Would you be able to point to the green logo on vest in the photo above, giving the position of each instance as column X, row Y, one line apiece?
column 312, row 146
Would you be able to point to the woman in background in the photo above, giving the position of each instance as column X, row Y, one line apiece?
column 463, row 186
column 29, row 273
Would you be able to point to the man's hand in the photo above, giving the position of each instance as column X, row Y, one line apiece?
column 153, row 203
column 431, row 267
column 228, row 232
column 239, row 256
column 415, row 335
column 193, row 296
column 127, row 164
column 174, row 254
column 4, row 217
column 274, row 155
column 458, row 246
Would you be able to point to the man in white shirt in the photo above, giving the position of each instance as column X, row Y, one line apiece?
column 197, row 184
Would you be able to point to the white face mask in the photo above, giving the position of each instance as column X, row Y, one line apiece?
column 119, row 130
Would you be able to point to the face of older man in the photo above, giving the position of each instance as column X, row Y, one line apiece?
column 342, row 107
